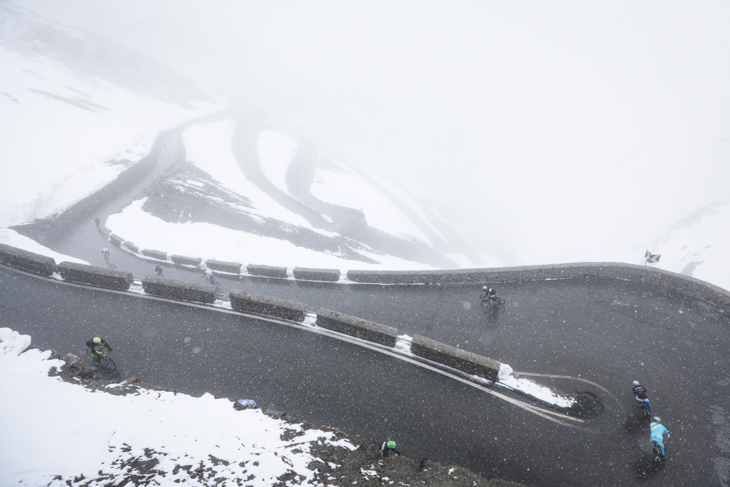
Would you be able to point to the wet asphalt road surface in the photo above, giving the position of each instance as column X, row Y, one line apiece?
column 605, row 332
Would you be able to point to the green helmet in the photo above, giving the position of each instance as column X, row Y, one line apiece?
column 390, row 444
column 97, row 340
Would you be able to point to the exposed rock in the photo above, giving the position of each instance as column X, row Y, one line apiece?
column 74, row 364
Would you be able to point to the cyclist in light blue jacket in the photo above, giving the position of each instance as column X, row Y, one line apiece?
column 657, row 434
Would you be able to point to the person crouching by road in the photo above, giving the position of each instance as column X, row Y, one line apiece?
column 96, row 346
column 387, row 447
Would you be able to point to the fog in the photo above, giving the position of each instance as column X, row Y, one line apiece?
column 546, row 132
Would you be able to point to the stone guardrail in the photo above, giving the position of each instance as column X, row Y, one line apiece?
column 29, row 261
column 183, row 260
column 689, row 286
column 456, row 358
column 131, row 246
column 686, row 285
column 155, row 254
column 218, row 265
column 289, row 310
column 174, row 289
column 357, row 327
column 116, row 239
column 308, row 274
column 96, row 276
column 266, row 271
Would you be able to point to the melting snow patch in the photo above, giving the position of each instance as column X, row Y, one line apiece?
column 310, row 319
column 403, row 343
column 531, row 388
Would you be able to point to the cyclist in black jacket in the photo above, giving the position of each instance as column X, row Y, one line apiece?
column 640, row 394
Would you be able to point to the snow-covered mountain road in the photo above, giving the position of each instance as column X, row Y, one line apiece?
column 605, row 332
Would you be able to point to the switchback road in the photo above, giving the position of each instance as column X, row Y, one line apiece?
column 600, row 335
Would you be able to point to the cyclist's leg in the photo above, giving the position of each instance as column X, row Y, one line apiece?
column 660, row 448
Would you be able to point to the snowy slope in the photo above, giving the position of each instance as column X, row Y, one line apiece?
column 696, row 245
column 98, row 436
column 68, row 114
column 273, row 223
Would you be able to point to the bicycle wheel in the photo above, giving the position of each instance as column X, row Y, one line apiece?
column 658, row 460
column 107, row 363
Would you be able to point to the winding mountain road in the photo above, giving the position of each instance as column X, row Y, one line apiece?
column 599, row 332
column 576, row 335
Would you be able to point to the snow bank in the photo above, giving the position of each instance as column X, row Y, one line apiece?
column 531, row 388
column 12, row 342
column 14, row 239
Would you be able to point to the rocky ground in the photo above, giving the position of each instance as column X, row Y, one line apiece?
column 334, row 465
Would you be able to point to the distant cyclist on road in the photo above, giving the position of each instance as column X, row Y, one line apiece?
column 640, row 394
column 158, row 271
column 105, row 253
column 657, row 435
column 387, row 447
column 489, row 292
column 209, row 278
column 96, row 347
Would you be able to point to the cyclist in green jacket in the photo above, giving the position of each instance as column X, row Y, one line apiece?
column 96, row 347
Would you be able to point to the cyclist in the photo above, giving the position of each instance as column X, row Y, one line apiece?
column 209, row 277
column 640, row 394
column 489, row 292
column 96, row 347
column 105, row 253
column 158, row 271
column 387, row 447
column 657, row 435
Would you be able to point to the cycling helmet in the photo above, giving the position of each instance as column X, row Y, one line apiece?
column 657, row 420
column 636, row 383
column 390, row 444
column 97, row 340
column 484, row 288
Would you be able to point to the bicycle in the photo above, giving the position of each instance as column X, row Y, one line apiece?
column 210, row 280
column 646, row 409
column 658, row 459
column 491, row 300
column 105, row 362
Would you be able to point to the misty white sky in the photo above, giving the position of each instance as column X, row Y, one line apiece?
column 583, row 125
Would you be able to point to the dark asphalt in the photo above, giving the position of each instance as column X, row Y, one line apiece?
column 606, row 332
